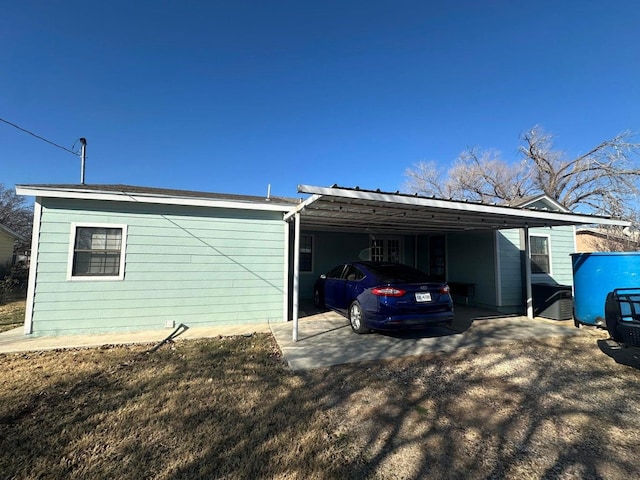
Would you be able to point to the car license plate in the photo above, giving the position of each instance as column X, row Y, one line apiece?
column 423, row 297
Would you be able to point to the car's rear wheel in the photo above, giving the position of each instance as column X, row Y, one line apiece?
column 357, row 318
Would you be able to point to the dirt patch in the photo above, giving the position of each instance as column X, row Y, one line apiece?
column 229, row 408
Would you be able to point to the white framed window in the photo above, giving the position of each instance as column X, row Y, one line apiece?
column 96, row 251
column 306, row 253
column 540, row 254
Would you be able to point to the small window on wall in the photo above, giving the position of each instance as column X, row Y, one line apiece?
column 540, row 254
column 306, row 253
column 97, row 252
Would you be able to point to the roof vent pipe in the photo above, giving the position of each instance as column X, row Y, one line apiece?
column 83, row 157
column 268, row 192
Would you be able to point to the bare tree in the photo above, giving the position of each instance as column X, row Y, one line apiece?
column 14, row 212
column 604, row 180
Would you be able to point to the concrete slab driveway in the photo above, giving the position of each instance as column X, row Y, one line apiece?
column 326, row 339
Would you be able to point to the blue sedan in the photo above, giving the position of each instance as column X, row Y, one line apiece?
column 384, row 296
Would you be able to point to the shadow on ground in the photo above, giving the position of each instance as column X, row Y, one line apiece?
column 629, row 356
column 228, row 408
column 325, row 338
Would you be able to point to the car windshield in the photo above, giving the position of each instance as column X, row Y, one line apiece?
column 399, row 274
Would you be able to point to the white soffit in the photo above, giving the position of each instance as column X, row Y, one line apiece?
column 346, row 209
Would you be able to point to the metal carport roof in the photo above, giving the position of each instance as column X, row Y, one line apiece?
column 343, row 209
column 352, row 209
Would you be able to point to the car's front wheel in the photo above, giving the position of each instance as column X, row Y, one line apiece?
column 317, row 299
column 357, row 318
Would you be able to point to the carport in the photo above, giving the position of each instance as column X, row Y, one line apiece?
column 341, row 209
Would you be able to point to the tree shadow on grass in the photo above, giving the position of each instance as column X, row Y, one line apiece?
column 229, row 408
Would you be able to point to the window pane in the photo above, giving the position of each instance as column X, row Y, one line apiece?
column 306, row 243
column 540, row 245
column 305, row 262
column 306, row 253
column 98, row 239
column 81, row 263
column 540, row 264
column 113, row 239
column 376, row 250
column 83, row 238
column 540, row 255
column 97, row 251
column 336, row 272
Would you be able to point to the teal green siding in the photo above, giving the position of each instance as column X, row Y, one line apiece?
column 471, row 260
column 193, row 265
column 562, row 246
column 511, row 275
column 511, row 254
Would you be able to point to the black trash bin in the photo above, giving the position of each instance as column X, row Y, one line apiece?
column 552, row 301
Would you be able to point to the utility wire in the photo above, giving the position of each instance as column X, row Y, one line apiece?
column 38, row 136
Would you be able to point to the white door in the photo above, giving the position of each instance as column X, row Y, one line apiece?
column 386, row 249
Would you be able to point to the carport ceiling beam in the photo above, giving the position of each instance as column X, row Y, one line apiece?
column 412, row 220
column 404, row 218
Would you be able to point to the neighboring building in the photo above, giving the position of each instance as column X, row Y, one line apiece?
column 601, row 240
column 7, row 242
column 124, row 258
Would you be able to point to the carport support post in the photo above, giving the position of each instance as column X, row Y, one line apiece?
column 296, row 274
column 527, row 272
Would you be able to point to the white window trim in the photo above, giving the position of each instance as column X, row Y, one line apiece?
column 33, row 267
column 313, row 253
column 93, row 278
column 548, row 237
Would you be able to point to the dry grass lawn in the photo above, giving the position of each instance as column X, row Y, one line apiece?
column 229, row 408
column 12, row 315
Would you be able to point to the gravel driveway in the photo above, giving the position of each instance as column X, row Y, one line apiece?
column 557, row 408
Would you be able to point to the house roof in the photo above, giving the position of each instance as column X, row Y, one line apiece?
column 132, row 193
column 542, row 198
column 353, row 209
column 627, row 235
column 11, row 233
column 345, row 209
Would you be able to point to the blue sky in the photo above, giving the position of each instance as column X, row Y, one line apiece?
column 231, row 96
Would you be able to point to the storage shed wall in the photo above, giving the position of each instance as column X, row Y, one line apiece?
column 194, row 265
